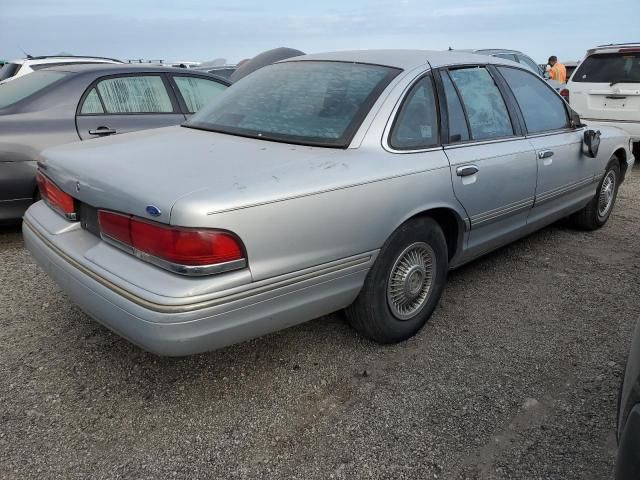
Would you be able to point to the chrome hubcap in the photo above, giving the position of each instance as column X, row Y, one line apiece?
column 409, row 283
column 607, row 191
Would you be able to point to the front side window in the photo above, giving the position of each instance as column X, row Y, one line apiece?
column 417, row 123
column 308, row 102
column 197, row 91
column 27, row 85
column 609, row 67
column 486, row 111
column 541, row 108
column 142, row 94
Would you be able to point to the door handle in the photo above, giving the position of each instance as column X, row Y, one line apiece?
column 102, row 131
column 467, row 170
column 616, row 97
column 542, row 154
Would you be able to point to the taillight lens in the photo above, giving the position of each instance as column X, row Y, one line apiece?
column 565, row 94
column 56, row 198
column 182, row 250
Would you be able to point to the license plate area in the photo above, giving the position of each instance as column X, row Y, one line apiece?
column 89, row 219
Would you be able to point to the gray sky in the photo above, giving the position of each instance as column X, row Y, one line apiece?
column 202, row 30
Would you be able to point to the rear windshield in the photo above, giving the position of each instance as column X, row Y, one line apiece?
column 609, row 68
column 8, row 70
column 22, row 87
column 309, row 102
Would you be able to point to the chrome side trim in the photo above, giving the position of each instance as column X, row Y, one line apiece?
column 557, row 132
column 563, row 190
column 188, row 270
column 609, row 120
column 357, row 262
column 498, row 214
column 327, row 190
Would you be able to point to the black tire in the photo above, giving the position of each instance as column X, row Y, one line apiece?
column 590, row 217
column 372, row 314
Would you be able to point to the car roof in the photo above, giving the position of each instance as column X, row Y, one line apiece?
column 114, row 68
column 612, row 48
column 404, row 59
column 63, row 58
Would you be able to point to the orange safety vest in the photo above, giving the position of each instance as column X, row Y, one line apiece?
column 558, row 73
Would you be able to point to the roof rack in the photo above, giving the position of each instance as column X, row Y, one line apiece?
column 618, row 44
column 43, row 57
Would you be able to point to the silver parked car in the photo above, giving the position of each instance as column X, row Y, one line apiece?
column 341, row 180
column 68, row 103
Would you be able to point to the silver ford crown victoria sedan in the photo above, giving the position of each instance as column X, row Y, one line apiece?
column 342, row 180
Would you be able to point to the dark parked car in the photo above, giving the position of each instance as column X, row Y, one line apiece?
column 65, row 104
column 628, row 462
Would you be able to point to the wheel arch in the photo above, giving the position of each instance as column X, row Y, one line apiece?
column 621, row 154
column 452, row 224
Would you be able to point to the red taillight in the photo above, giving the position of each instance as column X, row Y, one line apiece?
column 59, row 200
column 565, row 94
column 182, row 250
column 116, row 226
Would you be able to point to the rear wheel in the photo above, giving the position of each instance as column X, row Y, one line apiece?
column 404, row 285
column 596, row 213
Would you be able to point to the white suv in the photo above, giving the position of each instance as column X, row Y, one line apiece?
column 605, row 88
column 17, row 68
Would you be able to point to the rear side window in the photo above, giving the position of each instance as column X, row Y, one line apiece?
column 92, row 104
column 142, row 94
column 417, row 123
column 506, row 56
column 27, row 85
column 458, row 130
column 541, row 108
column 8, row 70
column 609, row 67
column 197, row 91
column 486, row 111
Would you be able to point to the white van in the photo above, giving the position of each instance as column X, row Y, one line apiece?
column 605, row 88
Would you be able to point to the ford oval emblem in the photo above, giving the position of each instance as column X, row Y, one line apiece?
column 153, row 210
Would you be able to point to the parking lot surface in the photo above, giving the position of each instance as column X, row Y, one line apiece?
column 515, row 376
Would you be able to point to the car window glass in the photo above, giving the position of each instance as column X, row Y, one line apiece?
column 506, row 56
column 143, row 94
column 609, row 67
column 417, row 122
column 8, row 70
column 26, row 85
column 458, row 131
column 483, row 102
column 197, row 91
column 541, row 108
column 308, row 102
column 92, row 103
column 527, row 62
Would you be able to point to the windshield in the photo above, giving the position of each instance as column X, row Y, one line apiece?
column 307, row 102
column 609, row 67
column 20, row 88
column 8, row 70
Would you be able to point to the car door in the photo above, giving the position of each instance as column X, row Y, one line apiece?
column 125, row 103
column 194, row 92
column 565, row 175
column 493, row 167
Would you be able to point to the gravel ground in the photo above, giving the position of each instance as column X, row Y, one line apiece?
column 515, row 376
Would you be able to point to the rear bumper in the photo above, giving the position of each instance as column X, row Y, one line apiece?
column 189, row 328
column 632, row 128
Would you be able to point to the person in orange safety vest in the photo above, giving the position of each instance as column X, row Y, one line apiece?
column 557, row 71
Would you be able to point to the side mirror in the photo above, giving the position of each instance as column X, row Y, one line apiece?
column 592, row 142
column 575, row 119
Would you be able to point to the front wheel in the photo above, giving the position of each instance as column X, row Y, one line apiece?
column 596, row 213
column 404, row 285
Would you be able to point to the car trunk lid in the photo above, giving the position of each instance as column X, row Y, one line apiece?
column 146, row 173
